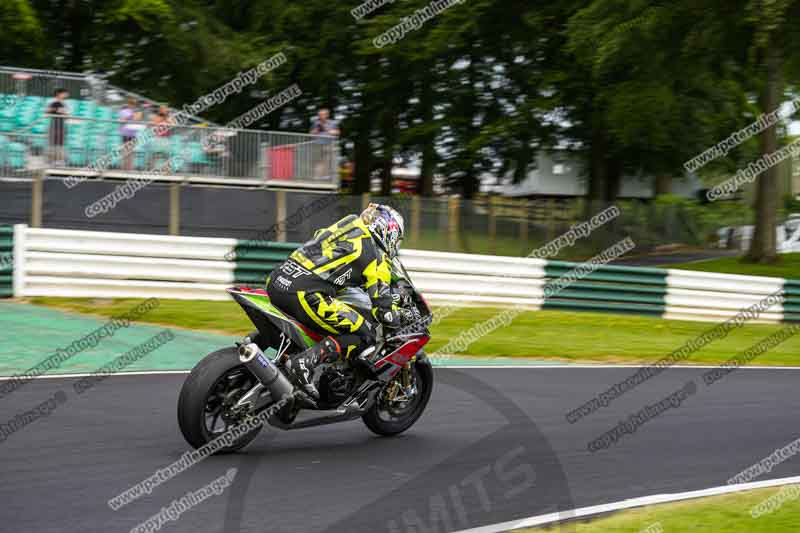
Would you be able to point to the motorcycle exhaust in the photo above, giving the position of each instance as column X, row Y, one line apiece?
column 265, row 370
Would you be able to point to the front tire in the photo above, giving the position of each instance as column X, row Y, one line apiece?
column 376, row 420
column 206, row 390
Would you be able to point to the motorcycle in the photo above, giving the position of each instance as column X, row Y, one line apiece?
column 234, row 384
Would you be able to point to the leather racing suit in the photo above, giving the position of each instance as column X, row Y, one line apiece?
column 339, row 256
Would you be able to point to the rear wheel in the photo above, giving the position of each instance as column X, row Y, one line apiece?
column 397, row 409
column 214, row 385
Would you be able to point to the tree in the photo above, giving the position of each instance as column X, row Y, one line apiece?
column 645, row 97
column 22, row 37
column 773, row 38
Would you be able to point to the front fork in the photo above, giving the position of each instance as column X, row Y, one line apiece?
column 402, row 387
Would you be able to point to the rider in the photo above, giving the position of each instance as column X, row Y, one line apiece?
column 354, row 252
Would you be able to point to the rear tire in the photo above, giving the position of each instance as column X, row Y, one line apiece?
column 388, row 428
column 195, row 393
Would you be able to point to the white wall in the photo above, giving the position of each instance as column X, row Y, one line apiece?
column 562, row 174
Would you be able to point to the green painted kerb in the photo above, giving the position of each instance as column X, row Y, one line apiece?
column 617, row 289
column 6, row 261
column 256, row 259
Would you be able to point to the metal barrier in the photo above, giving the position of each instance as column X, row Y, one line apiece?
column 121, row 265
column 92, row 133
column 92, row 144
column 32, row 82
column 22, row 82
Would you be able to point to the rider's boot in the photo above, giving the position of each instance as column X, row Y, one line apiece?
column 302, row 364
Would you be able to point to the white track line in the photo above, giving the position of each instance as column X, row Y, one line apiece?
column 457, row 367
column 87, row 374
column 584, row 512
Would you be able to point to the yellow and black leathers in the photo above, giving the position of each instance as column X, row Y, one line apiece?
column 342, row 255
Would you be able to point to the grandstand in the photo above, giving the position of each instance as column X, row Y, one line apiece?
column 92, row 134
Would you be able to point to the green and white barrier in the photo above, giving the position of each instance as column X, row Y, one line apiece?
column 254, row 258
column 114, row 265
column 6, row 261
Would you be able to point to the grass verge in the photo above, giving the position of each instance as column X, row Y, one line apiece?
column 729, row 514
column 788, row 267
column 554, row 335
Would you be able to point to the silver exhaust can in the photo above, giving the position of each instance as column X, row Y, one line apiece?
column 265, row 370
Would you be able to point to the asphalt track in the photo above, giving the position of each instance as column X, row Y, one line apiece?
column 493, row 446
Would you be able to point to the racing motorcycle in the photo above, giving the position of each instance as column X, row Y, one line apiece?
column 234, row 384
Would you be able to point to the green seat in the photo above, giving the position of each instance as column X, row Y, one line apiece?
column 86, row 108
column 140, row 160
column 3, row 149
column 23, row 106
column 160, row 145
column 76, row 127
column 16, row 155
column 96, row 141
column 98, row 154
column 178, row 162
column 197, row 155
column 25, row 118
column 41, row 125
column 104, row 113
column 39, row 142
column 76, row 140
column 76, row 156
column 177, row 145
column 113, row 142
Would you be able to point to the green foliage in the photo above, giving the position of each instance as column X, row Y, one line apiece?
column 791, row 204
column 631, row 86
column 21, row 35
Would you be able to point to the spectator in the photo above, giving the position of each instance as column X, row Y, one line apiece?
column 162, row 123
column 128, row 115
column 216, row 148
column 162, row 118
column 58, row 111
column 322, row 124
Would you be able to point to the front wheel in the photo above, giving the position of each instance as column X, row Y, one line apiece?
column 214, row 385
column 398, row 408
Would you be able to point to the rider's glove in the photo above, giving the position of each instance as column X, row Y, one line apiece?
column 410, row 316
column 401, row 299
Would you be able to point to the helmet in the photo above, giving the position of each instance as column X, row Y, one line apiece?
column 386, row 226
